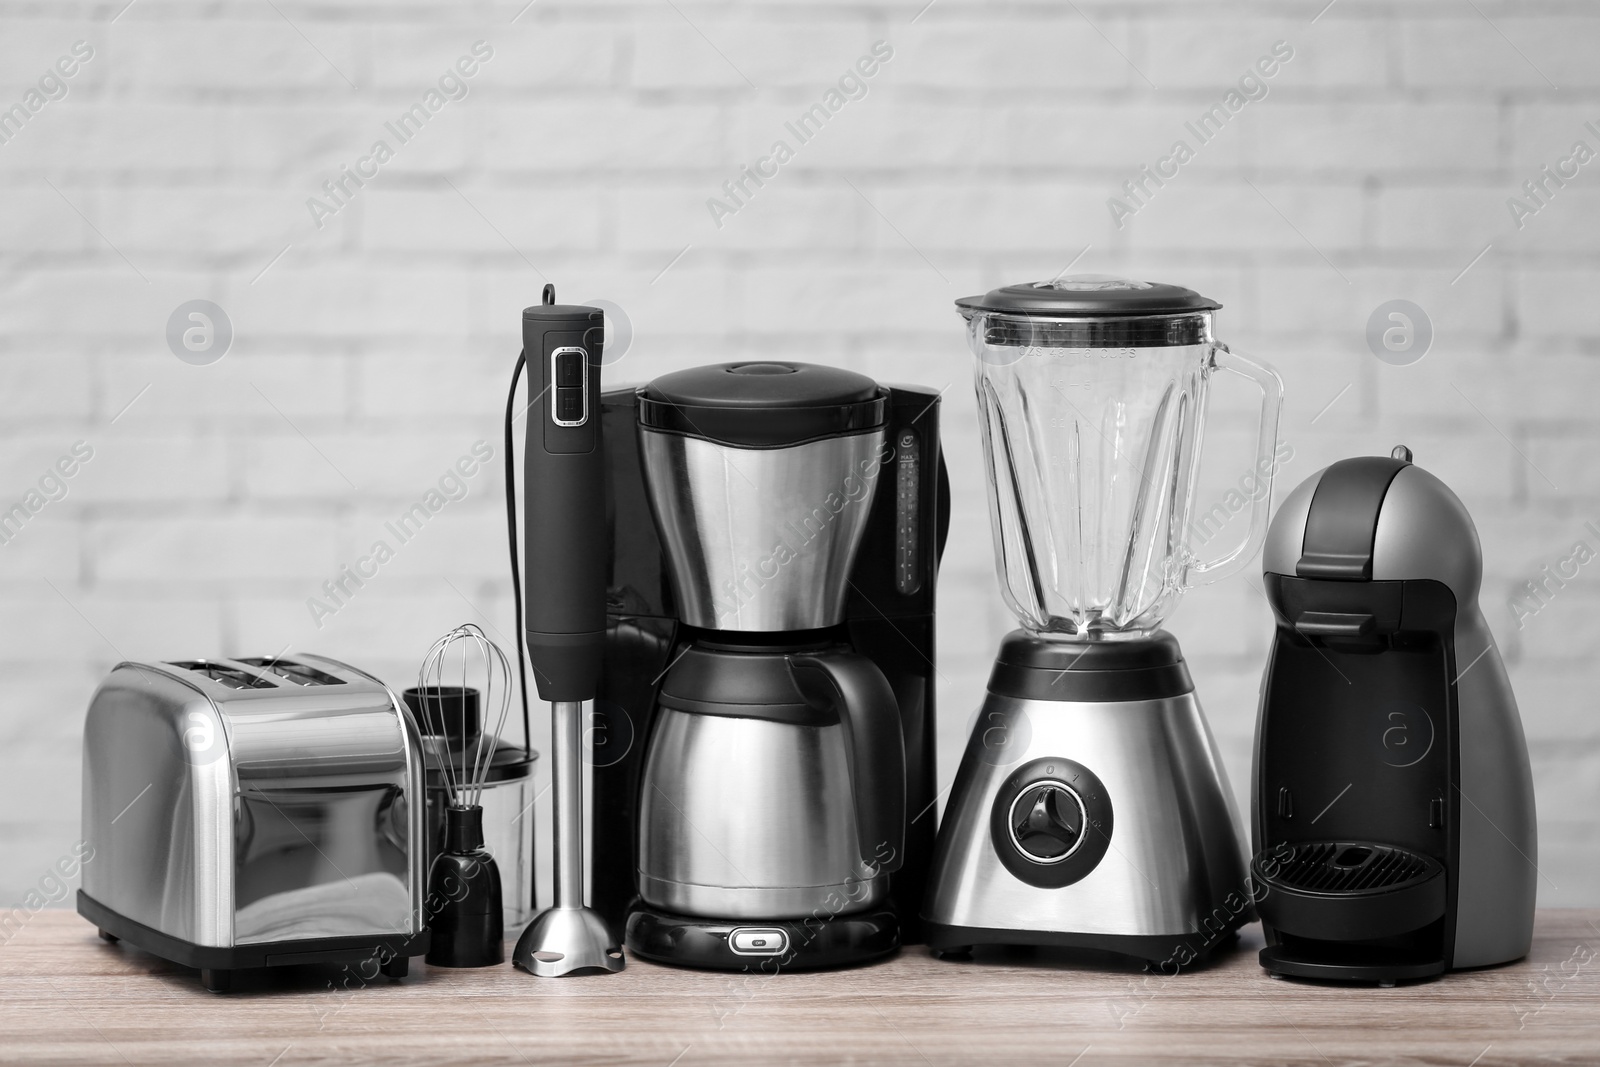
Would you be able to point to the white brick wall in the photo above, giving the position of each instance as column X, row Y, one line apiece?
column 983, row 153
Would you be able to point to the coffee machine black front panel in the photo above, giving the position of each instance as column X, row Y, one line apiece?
column 636, row 576
column 640, row 634
column 1338, row 779
column 1356, row 814
column 891, row 615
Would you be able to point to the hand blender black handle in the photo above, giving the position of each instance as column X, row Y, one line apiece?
column 563, row 499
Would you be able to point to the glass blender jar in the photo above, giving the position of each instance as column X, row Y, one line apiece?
column 1092, row 397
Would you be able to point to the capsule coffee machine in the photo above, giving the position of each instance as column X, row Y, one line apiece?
column 1393, row 802
column 763, row 742
column 1091, row 810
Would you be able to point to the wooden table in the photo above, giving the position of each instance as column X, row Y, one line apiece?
column 66, row 997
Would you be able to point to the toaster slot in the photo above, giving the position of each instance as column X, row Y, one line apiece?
column 232, row 677
column 292, row 671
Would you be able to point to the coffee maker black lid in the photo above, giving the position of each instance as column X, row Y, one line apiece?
column 763, row 404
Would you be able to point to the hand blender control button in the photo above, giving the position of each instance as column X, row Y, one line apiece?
column 569, row 368
column 569, row 404
column 758, row 941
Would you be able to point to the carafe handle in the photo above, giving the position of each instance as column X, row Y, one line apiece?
column 855, row 689
column 1266, row 379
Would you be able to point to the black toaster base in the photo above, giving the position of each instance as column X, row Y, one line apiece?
column 768, row 947
column 390, row 951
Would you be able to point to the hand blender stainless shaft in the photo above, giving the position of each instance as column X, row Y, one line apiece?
column 565, row 584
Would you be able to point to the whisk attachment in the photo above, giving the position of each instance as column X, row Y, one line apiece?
column 464, row 894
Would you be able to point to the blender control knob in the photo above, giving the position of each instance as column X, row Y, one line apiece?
column 1047, row 820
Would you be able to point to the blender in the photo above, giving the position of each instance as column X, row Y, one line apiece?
column 1091, row 810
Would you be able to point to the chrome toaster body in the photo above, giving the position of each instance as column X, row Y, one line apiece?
column 251, row 812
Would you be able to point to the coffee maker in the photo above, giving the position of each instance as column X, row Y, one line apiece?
column 1393, row 803
column 1091, row 810
column 763, row 741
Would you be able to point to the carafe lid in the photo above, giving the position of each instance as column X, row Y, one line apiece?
column 763, row 404
column 1088, row 294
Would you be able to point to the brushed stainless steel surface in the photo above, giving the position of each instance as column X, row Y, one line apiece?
column 229, row 817
column 746, row 818
column 566, row 789
column 567, row 938
column 1175, row 851
column 761, row 538
column 764, row 903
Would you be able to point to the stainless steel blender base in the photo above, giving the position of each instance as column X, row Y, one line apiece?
column 1171, row 865
column 565, row 941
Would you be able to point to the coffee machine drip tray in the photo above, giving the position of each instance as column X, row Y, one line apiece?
column 1335, row 904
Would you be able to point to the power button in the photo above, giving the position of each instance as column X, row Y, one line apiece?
column 759, row 941
column 569, row 386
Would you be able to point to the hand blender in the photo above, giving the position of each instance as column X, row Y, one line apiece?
column 565, row 560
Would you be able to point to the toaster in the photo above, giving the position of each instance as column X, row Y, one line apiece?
column 250, row 813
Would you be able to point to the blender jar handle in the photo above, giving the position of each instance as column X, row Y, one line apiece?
column 1266, row 379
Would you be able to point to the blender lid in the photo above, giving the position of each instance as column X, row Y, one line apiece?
column 1088, row 294
column 763, row 403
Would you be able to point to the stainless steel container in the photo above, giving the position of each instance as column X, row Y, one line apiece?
column 508, row 821
column 761, row 538
column 247, row 813
column 774, row 786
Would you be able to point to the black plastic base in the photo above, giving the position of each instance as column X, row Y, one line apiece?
column 1166, row 953
column 467, row 928
column 767, row 947
column 1330, row 962
column 1030, row 667
column 216, row 963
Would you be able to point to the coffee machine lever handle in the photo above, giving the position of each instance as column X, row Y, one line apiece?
column 852, row 686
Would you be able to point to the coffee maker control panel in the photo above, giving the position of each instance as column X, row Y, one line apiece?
column 907, row 513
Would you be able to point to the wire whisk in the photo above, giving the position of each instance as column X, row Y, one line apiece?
column 465, row 771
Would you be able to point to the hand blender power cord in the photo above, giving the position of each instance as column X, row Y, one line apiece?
column 511, row 527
